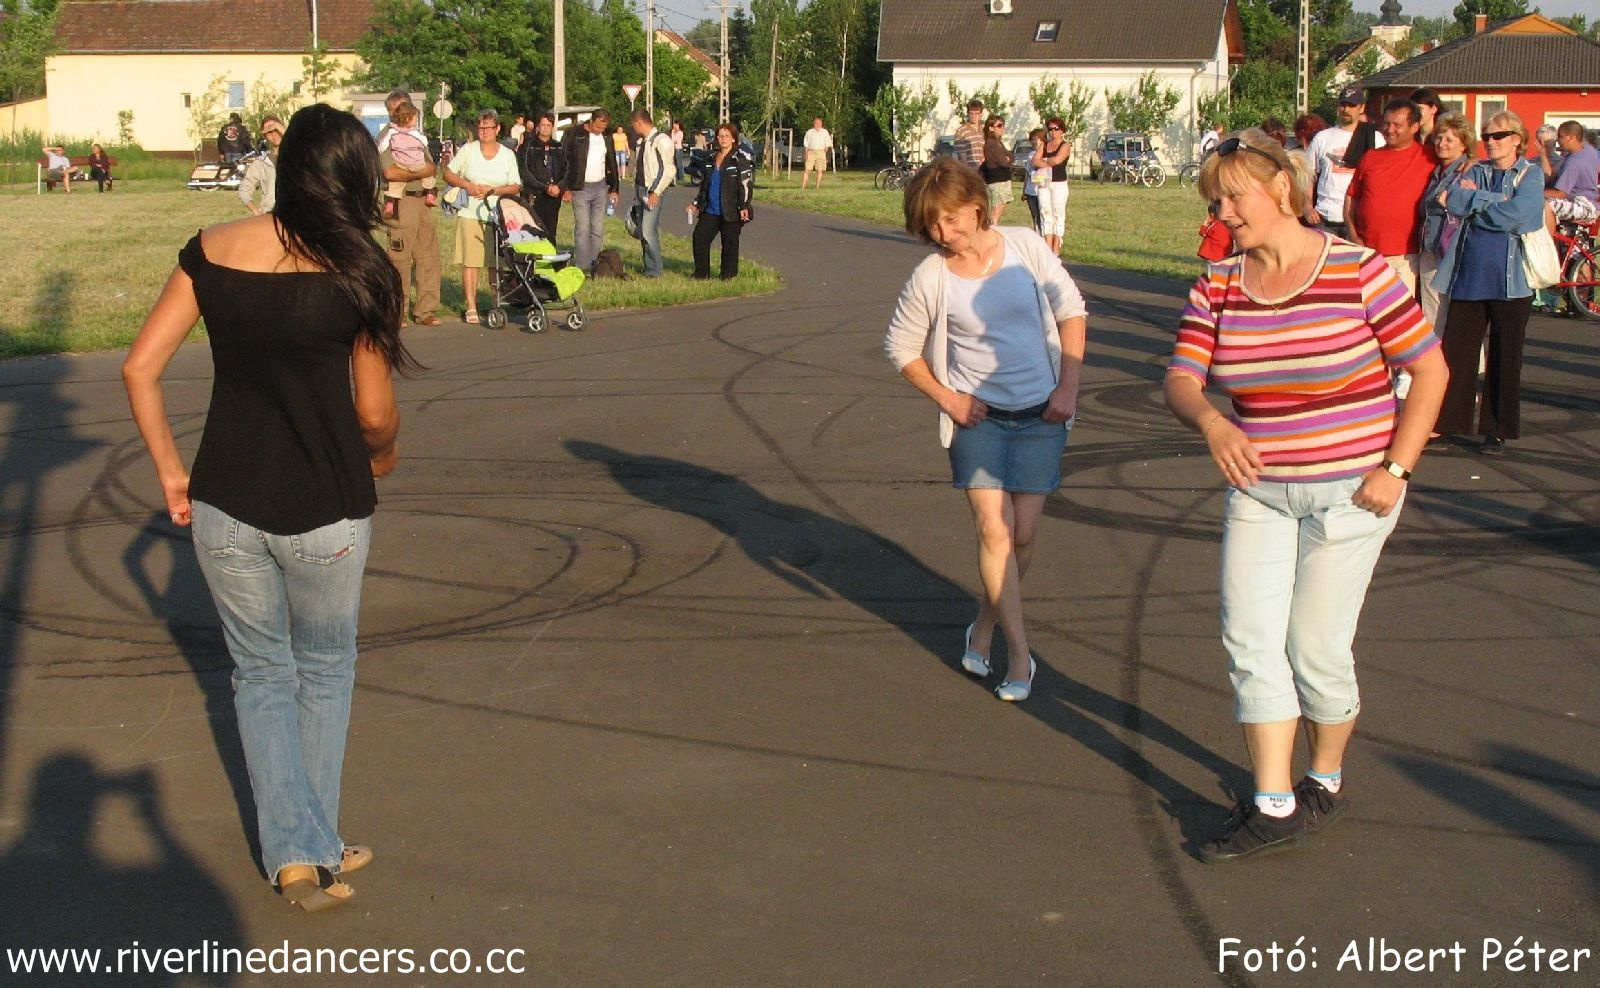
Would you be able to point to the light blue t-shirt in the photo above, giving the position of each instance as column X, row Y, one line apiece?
column 997, row 344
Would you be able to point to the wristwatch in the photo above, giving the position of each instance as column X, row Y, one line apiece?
column 1396, row 470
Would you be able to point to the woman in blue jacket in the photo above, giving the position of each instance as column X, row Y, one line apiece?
column 1500, row 198
column 723, row 204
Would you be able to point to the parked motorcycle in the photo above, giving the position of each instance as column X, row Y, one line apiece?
column 214, row 175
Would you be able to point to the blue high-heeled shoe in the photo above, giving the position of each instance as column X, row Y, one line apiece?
column 972, row 663
column 1017, row 692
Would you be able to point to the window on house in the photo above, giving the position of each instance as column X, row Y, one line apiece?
column 185, row 101
column 1488, row 106
column 296, row 87
column 235, row 95
column 1047, row 31
column 1453, row 104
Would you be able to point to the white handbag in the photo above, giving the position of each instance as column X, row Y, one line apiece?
column 1539, row 259
column 1540, row 263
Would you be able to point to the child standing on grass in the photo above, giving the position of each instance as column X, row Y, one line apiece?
column 410, row 149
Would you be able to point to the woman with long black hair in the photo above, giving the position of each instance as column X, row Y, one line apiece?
column 303, row 311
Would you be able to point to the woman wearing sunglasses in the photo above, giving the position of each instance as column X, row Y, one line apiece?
column 1300, row 331
column 1500, row 198
column 1053, row 197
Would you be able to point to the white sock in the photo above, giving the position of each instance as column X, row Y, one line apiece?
column 1330, row 781
column 1276, row 804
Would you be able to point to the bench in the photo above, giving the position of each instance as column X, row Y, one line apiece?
column 43, row 182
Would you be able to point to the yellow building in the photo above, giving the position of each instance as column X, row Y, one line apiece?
column 158, row 58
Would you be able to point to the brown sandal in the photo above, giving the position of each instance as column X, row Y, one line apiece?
column 312, row 888
column 355, row 858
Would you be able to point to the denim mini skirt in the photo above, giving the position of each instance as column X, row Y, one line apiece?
column 1017, row 454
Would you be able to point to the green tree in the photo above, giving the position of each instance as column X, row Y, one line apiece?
column 1498, row 10
column 207, row 110
column 320, row 74
column 681, row 86
column 1047, row 97
column 27, row 37
column 959, row 98
column 901, row 113
column 486, row 50
column 264, row 98
column 1143, row 108
column 1075, row 116
column 839, row 65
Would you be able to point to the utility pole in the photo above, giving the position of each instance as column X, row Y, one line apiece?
column 650, row 58
column 722, row 61
column 772, row 94
column 1302, row 76
column 560, row 73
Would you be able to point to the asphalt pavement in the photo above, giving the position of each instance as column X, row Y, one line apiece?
column 658, row 683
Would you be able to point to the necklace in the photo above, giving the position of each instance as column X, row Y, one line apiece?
column 994, row 257
column 1294, row 279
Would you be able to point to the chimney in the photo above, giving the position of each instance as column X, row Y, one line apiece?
column 1480, row 23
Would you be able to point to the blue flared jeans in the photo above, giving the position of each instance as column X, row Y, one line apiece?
column 288, row 605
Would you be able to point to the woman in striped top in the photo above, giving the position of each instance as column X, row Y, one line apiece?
column 1300, row 331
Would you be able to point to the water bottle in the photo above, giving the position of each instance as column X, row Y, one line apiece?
column 688, row 214
column 611, row 208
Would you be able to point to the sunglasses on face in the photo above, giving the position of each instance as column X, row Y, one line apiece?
column 1498, row 135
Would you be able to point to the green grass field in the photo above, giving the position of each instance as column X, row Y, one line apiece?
column 83, row 269
column 1130, row 228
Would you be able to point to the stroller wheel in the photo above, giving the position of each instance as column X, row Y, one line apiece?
column 495, row 318
column 536, row 322
column 575, row 320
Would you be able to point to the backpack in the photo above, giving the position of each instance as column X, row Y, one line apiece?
column 609, row 264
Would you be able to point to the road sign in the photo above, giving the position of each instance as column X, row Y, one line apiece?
column 442, row 109
column 632, row 91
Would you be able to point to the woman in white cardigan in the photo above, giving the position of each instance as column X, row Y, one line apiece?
column 991, row 328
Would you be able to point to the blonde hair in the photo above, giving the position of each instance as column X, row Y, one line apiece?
column 1254, row 163
column 1506, row 120
column 1456, row 124
column 942, row 187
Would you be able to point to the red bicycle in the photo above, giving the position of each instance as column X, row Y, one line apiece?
column 1580, row 267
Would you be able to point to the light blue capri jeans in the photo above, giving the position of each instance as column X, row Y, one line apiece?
column 1296, row 563
column 288, row 605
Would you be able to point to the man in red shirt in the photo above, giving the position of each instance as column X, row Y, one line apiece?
column 1381, row 206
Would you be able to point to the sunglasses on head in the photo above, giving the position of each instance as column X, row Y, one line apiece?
column 1498, row 135
column 1233, row 144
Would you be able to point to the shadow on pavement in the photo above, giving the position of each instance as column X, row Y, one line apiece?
column 191, row 619
column 63, row 894
column 819, row 555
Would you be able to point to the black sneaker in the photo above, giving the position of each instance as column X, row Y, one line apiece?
column 1250, row 832
column 1320, row 806
column 1493, row 445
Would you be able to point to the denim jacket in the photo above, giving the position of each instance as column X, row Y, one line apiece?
column 1435, row 217
column 1520, row 211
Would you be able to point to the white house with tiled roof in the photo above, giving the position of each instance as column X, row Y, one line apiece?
column 1191, row 45
column 153, row 57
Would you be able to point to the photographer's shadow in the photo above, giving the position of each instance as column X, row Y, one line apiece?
column 191, row 619
column 62, row 894
column 818, row 554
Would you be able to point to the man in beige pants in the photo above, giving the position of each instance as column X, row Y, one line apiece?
column 412, row 231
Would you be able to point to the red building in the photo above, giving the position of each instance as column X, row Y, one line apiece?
column 1538, row 69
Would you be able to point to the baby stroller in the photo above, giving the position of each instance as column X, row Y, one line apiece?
column 527, row 271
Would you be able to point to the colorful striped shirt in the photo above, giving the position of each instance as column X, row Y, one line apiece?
column 1308, row 376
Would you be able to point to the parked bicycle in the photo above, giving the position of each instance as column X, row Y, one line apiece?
column 895, row 176
column 1188, row 174
column 1146, row 171
column 1580, row 268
